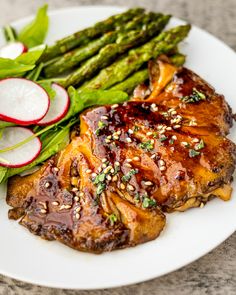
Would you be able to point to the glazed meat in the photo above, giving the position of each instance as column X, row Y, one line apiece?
column 109, row 187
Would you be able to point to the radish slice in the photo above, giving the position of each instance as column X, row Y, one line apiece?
column 58, row 106
column 22, row 155
column 22, row 101
column 12, row 50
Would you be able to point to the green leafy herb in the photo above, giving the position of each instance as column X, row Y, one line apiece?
column 171, row 141
column 199, row 145
column 99, row 181
column 112, row 218
column 147, row 202
column 193, row 153
column 12, row 68
column 136, row 128
column 127, row 177
column 99, row 178
column 194, row 97
column 34, row 33
column 148, row 145
column 32, row 56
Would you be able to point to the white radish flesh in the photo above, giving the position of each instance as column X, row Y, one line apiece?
column 22, row 155
column 22, row 101
column 12, row 50
column 58, row 106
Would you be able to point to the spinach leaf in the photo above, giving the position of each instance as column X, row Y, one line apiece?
column 32, row 56
column 4, row 124
column 34, row 33
column 12, row 68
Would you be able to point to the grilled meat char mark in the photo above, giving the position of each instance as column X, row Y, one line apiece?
column 105, row 190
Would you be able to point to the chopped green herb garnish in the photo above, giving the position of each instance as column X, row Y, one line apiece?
column 136, row 128
column 128, row 176
column 147, row 202
column 148, row 145
column 194, row 97
column 101, row 125
column 199, row 145
column 112, row 218
column 137, row 198
column 171, row 141
column 193, row 153
column 100, row 188
column 99, row 178
column 163, row 138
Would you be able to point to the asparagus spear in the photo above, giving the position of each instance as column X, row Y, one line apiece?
column 72, row 58
column 142, row 75
column 133, row 61
column 107, row 54
column 83, row 37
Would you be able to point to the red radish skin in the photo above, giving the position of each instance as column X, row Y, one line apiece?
column 56, row 110
column 28, row 108
column 12, row 50
column 32, row 156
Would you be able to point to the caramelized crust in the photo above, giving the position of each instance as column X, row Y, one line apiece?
column 108, row 188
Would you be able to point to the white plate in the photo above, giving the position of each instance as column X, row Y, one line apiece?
column 186, row 237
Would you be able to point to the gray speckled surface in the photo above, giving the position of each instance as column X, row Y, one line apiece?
column 215, row 273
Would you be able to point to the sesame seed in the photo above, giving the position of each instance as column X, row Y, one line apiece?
column 94, row 174
column 128, row 165
column 116, row 137
column 114, row 106
column 174, row 137
column 100, row 169
column 202, row 205
column 62, row 207
column 122, row 186
column 81, row 194
column 162, row 162
column 153, row 156
column 78, row 209
column 104, row 165
column 159, row 127
column 184, row 143
column 149, row 133
column 77, row 216
column 114, row 178
column 162, row 168
column 104, row 160
column 56, row 169
column 154, row 107
column 148, row 183
column 195, row 140
column 104, row 117
column 74, row 189
column 169, row 128
column 109, row 177
column 43, row 211
column 55, row 203
column 130, row 131
column 112, row 170
column 43, row 204
column 118, row 132
column 117, row 164
column 173, row 112
column 176, row 126
column 162, row 131
column 67, row 206
column 152, row 141
column 76, row 199
column 88, row 171
column 107, row 169
column 109, row 137
column 130, row 187
column 192, row 123
column 107, row 140
column 128, row 160
column 47, row 184
column 136, row 158
column 128, row 139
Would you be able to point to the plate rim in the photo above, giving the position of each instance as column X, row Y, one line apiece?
column 148, row 277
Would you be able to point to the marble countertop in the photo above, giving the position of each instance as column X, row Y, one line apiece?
column 213, row 274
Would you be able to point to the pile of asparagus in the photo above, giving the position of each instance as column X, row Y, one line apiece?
column 113, row 54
